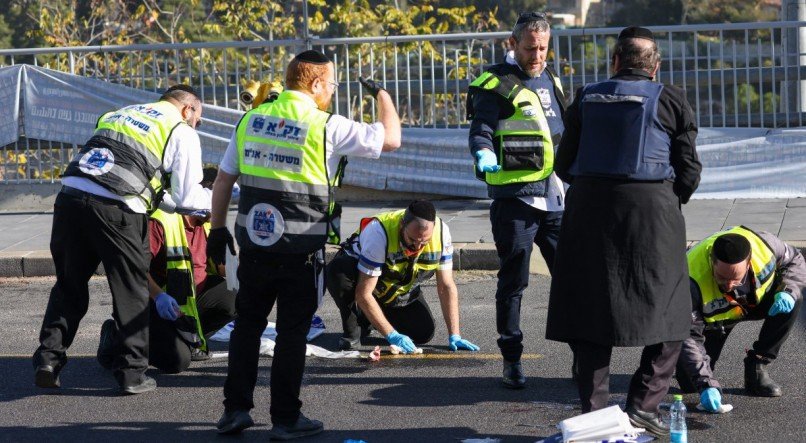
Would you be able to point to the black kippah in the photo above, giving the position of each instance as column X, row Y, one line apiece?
column 312, row 56
column 731, row 248
column 636, row 32
column 423, row 209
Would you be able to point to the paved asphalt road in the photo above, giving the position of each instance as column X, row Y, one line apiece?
column 443, row 396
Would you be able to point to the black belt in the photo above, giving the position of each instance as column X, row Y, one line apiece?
column 73, row 192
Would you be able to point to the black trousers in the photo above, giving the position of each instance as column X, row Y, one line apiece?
column 414, row 319
column 517, row 227
column 648, row 385
column 168, row 352
column 89, row 230
column 293, row 282
column 774, row 331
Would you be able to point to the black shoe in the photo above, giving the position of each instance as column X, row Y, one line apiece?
column 302, row 428
column 105, row 355
column 198, row 354
column 234, row 422
column 147, row 384
column 47, row 376
column 648, row 420
column 757, row 381
column 513, row 375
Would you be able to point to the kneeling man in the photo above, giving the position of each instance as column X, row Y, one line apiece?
column 375, row 279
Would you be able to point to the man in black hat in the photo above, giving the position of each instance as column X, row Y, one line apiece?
column 288, row 156
column 739, row 275
column 375, row 279
column 620, row 275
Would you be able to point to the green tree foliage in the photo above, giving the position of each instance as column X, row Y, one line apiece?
column 673, row 12
column 724, row 11
column 647, row 13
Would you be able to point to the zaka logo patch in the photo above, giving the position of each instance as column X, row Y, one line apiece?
column 97, row 161
column 275, row 128
column 265, row 224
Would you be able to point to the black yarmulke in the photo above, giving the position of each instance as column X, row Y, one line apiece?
column 423, row 209
column 636, row 32
column 731, row 248
column 314, row 57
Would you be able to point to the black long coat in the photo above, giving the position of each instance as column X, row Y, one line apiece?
column 620, row 274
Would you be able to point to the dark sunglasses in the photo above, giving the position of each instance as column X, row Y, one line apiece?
column 528, row 17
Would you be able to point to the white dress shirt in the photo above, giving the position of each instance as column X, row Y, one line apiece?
column 182, row 158
column 371, row 249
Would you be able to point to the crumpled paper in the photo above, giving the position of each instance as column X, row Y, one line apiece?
column 267, row 349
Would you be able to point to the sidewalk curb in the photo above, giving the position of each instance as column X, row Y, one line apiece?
column 466, row 257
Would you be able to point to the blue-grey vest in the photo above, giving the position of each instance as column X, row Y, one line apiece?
column 621, row 134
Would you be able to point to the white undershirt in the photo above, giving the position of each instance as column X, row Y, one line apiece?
column 182, row 158
column 370, row 249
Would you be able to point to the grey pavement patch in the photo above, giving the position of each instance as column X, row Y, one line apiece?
column 476, row 256
column 794, row 224
column 751, row 220
column 38, row 264
column 759, row 208
column 796, row 203
column 756, row 200
column 10, row 265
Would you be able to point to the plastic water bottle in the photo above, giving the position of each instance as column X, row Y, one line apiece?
column 677, row 423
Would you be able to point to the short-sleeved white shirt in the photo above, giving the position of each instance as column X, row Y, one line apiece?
column 182, row 158
column 370, row 249
column 343, row 137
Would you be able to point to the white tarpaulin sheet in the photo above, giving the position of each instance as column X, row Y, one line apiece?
column 59, row 107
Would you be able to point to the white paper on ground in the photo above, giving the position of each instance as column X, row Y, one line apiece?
column 267, row 349
column 270, row 332
column 603, row 424
column 231, row 268
column 722, row 409
column 396, row 350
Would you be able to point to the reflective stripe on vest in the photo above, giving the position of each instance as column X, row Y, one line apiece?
column 285, row 188
column 400, row 274
column 621, row 135
column 715, row 306
column 523, row 141
column 125, row 154
column 179, row 282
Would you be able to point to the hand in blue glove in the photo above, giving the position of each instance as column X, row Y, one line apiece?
column 486, row 161
column 401, row 341
column 167, row 307
column 711, row 399
column 456, row 342
column 783, row 304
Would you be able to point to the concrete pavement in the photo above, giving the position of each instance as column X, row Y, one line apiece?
column 25, row 236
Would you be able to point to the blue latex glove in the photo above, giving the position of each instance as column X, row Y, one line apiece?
column 401, row 341
column 167, row 307
column 711, row 399
column 783, row 304
column 486, row 161
column 456, row 342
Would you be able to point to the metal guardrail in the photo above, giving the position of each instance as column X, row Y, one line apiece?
column 736, row 75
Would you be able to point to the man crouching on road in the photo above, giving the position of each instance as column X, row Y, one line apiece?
column 375, row 279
